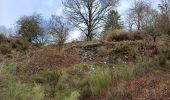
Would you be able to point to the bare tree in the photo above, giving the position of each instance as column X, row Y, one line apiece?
column 164, row 22
column 88, row 15
column 59, row 28
column 138, row 10
column 7, row 31
column 144, row 17
column 165, row 7
column 130, row 21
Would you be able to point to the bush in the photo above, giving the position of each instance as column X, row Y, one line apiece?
column 121, row 48
column 100, row 80
column 134, row 51
column 2, row 38
column 121, row 36
column 117, row 36
column 103, row 51
column 5, row 48
column 20, row 44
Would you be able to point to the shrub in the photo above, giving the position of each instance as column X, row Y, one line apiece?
column 103, row 51
column 2, row 38
column 131, row 51
column 120, row 36
column 121, row 47
column 5, row 48
column 134, row 51
column 116, row 36
column 137, row 35
column 100, row 80
column 19, row 44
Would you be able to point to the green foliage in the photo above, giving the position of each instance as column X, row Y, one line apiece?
column 61, row 84
column 5, row 48
column 134, row 51
column 129, row 71
column 13, row 89
column 131, row 50
column 29, row 27
column 48, row 77
column 10, row 69
column 103, row 51
column 113, row 21
column 121, row 47
column 74, row 96
column 20, row 44
column 18, row 91
column 100, row 80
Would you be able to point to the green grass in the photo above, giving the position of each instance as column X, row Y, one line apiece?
column 123, row 71
column 70, row 83
column 13, row 89
column 100, row 80
column 73, row 96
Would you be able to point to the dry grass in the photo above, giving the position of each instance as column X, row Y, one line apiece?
column 121, row 36
column 48, row 59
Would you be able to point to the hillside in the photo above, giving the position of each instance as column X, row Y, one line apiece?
column 97, row 70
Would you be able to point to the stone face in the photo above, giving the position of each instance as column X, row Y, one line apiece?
column 88, row 54
column 91, row 54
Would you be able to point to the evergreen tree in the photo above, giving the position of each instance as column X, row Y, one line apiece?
column 113, row 21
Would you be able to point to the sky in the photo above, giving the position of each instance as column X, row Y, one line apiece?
column 12, row 10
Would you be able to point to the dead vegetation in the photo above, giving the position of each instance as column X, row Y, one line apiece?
column 124, row 70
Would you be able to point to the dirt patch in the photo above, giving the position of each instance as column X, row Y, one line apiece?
column 150, row 87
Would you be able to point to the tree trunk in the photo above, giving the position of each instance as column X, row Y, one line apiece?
column 154, row 38
column 29, row 40
column 89, row 37
column 139, row 22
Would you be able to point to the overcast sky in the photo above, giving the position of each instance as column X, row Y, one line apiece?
column 11, row 10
